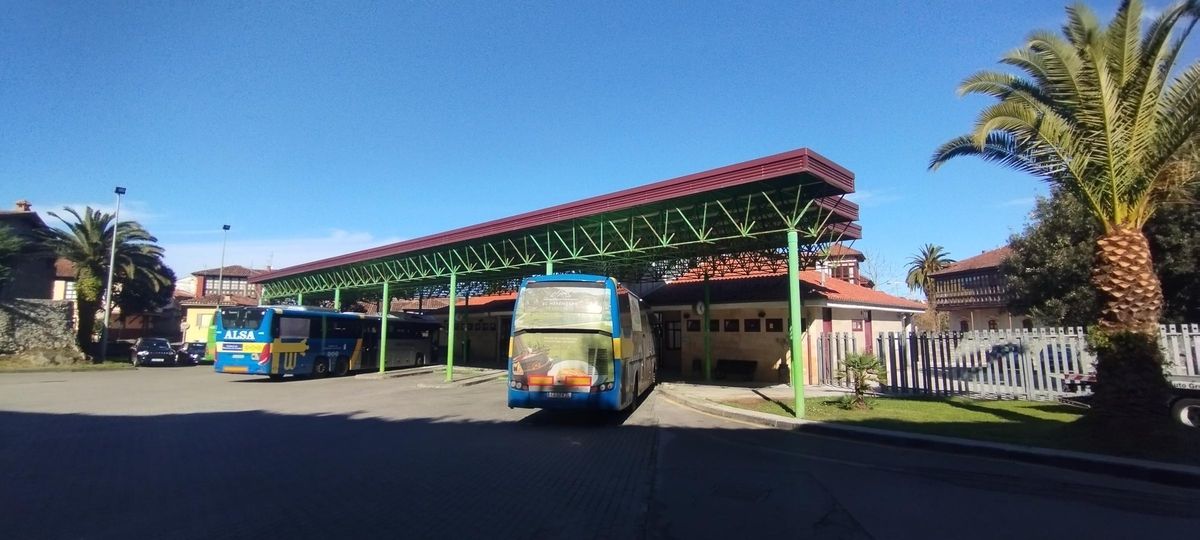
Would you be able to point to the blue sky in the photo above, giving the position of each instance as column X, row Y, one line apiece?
column 318, row 130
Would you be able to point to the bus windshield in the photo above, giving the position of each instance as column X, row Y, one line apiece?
column 241, row 318
column 564, row 306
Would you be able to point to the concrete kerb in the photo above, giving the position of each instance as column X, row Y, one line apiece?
column 409, row 372
column 472, row 380
column 1163, row 473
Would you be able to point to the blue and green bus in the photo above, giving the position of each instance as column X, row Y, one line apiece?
column 307, row 341
column 579, row 342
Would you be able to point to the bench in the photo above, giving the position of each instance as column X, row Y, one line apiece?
column 735, row 370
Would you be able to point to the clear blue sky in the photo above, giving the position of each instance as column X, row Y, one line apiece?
column 315, row 131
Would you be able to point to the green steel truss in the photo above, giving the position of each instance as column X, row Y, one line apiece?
column 737, row 232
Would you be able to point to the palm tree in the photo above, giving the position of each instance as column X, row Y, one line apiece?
column 86, row 241
column 921, row 267
column 1096, row 113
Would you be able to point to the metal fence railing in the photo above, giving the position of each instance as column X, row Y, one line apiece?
column 1028, row 364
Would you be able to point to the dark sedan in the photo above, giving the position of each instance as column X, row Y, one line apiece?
column 152, row 351
column 192, row 353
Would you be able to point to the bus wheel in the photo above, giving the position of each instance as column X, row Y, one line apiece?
column 339, row 367
column 276, row 376
column 321, row 367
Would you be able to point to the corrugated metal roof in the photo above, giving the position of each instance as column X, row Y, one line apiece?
column 836, row 180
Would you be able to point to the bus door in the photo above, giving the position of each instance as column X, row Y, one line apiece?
column 505, row 334
column 370, row 337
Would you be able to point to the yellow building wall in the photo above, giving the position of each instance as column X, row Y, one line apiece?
column 767, row 348
column 764, row 348
column 198, row 320
column 60, row 290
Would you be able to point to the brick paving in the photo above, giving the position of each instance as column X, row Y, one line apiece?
column 187, row 453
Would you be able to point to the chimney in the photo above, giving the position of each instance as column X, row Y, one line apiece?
column 24, row 206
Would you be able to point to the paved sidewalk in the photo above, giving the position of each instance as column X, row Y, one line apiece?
column 778, row 392
column 708, row 399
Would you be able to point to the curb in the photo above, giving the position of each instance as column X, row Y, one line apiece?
column 1137, row 469
column 470, row 381
column 375, row 375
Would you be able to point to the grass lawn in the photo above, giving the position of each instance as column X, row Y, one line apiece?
column 1028, row 423
column 110, row 364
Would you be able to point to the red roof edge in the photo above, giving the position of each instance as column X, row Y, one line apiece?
column 797, row 161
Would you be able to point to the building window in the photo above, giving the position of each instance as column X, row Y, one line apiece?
column 673, row 339
column 774, row 325
column 733, row 325
column 226, row 286
column 964, row 326
column 203, row 320
column 1027, row 324
column 69, row 291
column 752, row 325
column 693, row 325
column 991, row 324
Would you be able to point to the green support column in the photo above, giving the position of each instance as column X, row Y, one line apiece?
column 337, row 299
column 549, row 267
column 707, row 333
column 450, row 329
column 299, row 299
column 385, row 304
column 467, row 324
column 794, row 311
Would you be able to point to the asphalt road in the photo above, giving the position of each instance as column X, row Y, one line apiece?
column 187, row 453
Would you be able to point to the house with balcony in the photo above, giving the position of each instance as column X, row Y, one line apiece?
column 32, row 272
column 228, row 286
column 972, row 292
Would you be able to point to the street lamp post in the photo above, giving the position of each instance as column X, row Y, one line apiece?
column 221, row 273
column 112, row 261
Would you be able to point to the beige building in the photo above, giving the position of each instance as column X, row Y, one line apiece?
column 973, row 294
column 749, row 318
column 32, row 273
column 748, row 323
column 213, row 286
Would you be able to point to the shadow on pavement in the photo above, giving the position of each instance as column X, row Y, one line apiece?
column 257, row 474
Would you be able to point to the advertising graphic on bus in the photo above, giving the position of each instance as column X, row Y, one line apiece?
column 307, row 341
column 578, row 341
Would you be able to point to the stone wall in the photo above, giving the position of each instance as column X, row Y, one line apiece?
column 38, row 332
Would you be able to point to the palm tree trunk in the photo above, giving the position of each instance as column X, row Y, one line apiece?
column 1129, row 362
column 1131, row 295
column 85, row 324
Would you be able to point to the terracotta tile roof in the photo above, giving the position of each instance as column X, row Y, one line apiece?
column 987, row 259
column 230, row 271
column 837, row 290
column 839, row 250
column 480, row 304
column 427, row 304
column 226, row 300
column 64, row 269
column 766, row 286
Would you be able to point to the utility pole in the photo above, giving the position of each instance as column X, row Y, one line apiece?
column 112, row 261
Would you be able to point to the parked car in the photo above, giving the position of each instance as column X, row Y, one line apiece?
column 150, row 351
column 192, row 353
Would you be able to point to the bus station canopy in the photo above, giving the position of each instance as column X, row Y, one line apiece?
column 733, row 214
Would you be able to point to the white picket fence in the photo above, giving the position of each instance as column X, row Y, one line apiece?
column 1027, row 364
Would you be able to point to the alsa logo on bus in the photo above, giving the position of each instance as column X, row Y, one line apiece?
column 239, row 334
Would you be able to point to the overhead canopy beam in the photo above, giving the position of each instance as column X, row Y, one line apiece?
column 645, row 233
